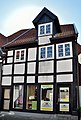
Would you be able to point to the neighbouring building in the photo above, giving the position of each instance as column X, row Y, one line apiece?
column 40, row 71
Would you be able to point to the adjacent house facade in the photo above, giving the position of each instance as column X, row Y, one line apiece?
column 40, row 70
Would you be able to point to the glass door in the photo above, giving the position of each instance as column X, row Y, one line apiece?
column 46, row 97
column 63, row 99
column 6, row 98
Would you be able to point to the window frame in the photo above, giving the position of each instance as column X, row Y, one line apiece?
column 46, row 47
column 45, row 29
column 64, row 51
column 20, row 55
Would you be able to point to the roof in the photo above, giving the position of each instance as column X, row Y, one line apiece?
column 27, row 36
column 66, row 31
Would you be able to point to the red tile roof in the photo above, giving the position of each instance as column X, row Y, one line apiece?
column 27, row 36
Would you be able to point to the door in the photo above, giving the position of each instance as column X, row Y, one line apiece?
column 6, row 98
column 63, row 99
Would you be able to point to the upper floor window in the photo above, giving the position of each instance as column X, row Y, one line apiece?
column 20, row 55
column 42, row 29
column 48, row 28
column 60, row 50
column 64, row 50
column 46, row 52
column 45, row 29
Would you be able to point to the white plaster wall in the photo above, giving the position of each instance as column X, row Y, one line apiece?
column 65, row 78
column 31, row 67
column 18, row 79
column 46, row 67
column 9, row 60
column 19, row 68
column 6, row 81
column 64, row 65
column 44, row 40
column 79, row 58
column 32, row 54
column 7, row 69
column 10, row 53
column 42, row 79
column 30, row 79
column 80, row 94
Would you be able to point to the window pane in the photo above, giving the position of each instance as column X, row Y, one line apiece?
column 17, row 55
column 67, row 49
column 22, row 55
column 46, row 96
column 18, row 97
column 60, row 50
column 47, row 28
column 42, row 29
column 6, row 104
column 6, row 93
column 42, row 52
column 31, row 101
column 64, row 94
column 49, row 52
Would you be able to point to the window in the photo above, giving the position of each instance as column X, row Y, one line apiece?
column 31, row 101
column 60, row 50
column 49, row 52
column 43, row 52
column 20, row 55
column 46, row 52
column 48, row 29
column 64, row 50
column 46, row 97
column 67, row 49
column 18, row 97
column 42, row 29
column 45, row 29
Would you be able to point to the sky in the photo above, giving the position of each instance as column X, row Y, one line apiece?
column 19, row 14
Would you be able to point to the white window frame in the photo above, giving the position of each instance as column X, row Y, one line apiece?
column 64, row 56
column 19, row 60
column 46, row 52
column 45, row 29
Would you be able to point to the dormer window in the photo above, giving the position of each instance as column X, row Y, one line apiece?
column 42, row 29
column 48, row 28
column 45, row 29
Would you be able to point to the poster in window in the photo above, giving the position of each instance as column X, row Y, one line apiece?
column 64, row 107
column 64, row 94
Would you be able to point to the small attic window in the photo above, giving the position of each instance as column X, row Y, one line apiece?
column 45, row 29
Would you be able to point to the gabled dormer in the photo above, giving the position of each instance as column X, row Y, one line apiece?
column 46, row 23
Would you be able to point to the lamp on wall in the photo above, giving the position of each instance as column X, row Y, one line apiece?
column 2, row 54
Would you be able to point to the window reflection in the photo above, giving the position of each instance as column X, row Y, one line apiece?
column 18, row 97
column 31, row 102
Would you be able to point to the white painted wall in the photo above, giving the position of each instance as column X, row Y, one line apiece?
column 46, row 67
column 7, row 69
column 18, row 79
column 6, row 81
column 64, row 65
column 65, row 78
column 44, row 40
column 32, row 54
column 9, row 60
column 31, row 67
column 30, row 79
column 19, row 68
column 45, row 79
column 10, row 53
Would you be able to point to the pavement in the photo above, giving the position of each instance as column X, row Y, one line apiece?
column 12, row 115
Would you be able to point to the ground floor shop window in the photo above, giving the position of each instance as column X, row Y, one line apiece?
column 18, row 97
column 31, row 101
column 46, row 96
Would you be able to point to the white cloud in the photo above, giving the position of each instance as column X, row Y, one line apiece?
column 20, row 19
